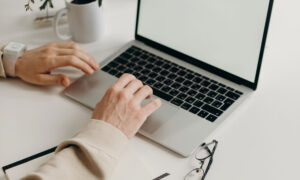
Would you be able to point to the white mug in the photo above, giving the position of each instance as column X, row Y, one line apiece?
column 85, row 21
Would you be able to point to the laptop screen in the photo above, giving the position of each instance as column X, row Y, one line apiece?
column 226, row 34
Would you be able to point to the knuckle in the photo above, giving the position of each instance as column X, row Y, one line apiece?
column 50, row 44
column 148, row 89
column 74, row 45
column 49, row 50
column 124, row 95
column 113, row 89
column 132, row 105
column 126, row 75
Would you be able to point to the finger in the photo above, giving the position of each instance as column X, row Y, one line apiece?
column 123, row 81
column 70, row 60
column 143, row 93
column 58, row 79
column 149, row 108
column 134, row 86
column 80, row 54
column 64, row 44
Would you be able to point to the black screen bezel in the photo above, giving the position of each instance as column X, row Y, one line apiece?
column 205, row 66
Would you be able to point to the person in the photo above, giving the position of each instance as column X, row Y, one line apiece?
column 94, row 151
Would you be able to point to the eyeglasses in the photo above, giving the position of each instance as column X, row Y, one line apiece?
column 205, row 157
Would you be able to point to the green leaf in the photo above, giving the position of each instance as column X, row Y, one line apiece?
column 99, row 3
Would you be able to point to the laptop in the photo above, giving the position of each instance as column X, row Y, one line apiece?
column 202, row 58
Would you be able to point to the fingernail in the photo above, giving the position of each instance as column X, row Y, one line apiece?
column 97, row 66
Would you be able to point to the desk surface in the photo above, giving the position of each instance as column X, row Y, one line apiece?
column 258, row 141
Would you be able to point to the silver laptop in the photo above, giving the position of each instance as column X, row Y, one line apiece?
column 202, row 58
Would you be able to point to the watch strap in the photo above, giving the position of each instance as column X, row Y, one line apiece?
column 2, row 71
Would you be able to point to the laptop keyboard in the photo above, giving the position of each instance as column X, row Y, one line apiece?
column 182, row 87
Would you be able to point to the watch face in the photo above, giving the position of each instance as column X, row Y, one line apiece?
column 14, row 48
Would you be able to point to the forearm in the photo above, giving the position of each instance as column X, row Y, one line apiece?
column 91, row 154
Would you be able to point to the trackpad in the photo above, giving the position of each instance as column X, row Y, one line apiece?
column 165, row 113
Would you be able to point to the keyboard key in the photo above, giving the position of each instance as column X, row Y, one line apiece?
column 217, row 104
column 112, row 64
column 164, row 73
column 161, row 94
column 232, row 95
column 238, row 92
column 177, row 102
column 200, row 96
column 208, row 100
column 150, row 82
column 159, row 62
column 166, row 89
column 174, row 69
column 145, row 71
column 194, row 110
column 220, row 98
column 212, row 94
column 227, row 103
column 174, row 92
column 172, row 76
column 195, row 86
column 186, row 106
column 138, row 68
column 190, row 100
column 168, row 82
column 126, row 55
column 179, row 79
column 120, row 60
column 212, row 110
column 144, row 56
column 129, row 71
column 197, row 80
column 189, row 76
column 204, row 90
column 211, row 118
column 230, row 89
column 152, row 75
column 182, row 96
column 222, row 91
column 143, row 78
column 113, row 72
column 191, row 92
column 149, row 66
column 175, row 85
column 202, row 114
column 205, row 83
column 183, row 89
column 187, row 83
column 167, row 66
column 158, row 85
column 213, row 87
column 118, row 75
column 181, row 73
column 106, row 69
column 198, row 104
column 160, row 78
column 157, row 69
column 135, row 60
column 142, row 63
column 121, row 68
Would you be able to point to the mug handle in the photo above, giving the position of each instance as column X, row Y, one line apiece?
column 58, row 15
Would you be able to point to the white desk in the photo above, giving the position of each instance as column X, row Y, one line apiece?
column 259, row 141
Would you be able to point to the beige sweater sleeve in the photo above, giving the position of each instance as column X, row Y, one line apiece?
column 91, row 154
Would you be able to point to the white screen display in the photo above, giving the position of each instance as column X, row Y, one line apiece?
column 226, row 34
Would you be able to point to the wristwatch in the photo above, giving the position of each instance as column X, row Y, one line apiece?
column 11, row 52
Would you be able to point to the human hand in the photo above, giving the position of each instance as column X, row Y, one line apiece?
column 35, row 66
column 121, row 105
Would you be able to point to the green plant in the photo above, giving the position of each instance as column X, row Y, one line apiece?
column 48, row 3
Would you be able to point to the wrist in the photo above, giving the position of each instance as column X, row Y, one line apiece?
column 11, row 53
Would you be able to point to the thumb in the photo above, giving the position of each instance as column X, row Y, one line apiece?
column 50, row 79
